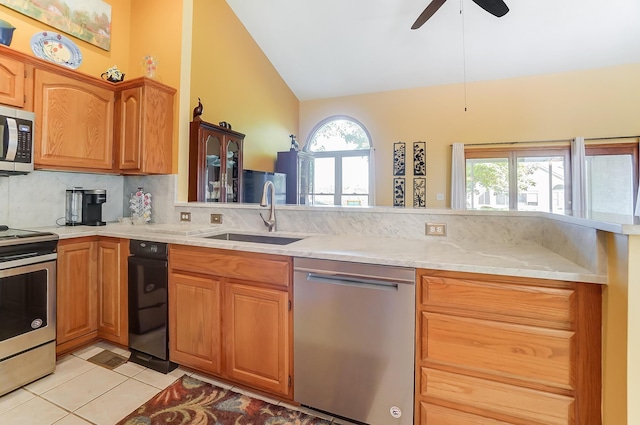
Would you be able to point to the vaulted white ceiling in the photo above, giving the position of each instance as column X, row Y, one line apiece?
column 327, row 48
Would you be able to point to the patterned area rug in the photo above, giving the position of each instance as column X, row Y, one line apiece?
column 189, row 401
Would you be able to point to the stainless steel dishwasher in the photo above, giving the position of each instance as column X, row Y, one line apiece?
column 354, row 332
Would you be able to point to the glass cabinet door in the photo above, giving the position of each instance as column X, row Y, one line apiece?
column 232, row 172
column 215, row 163
column 213, row 174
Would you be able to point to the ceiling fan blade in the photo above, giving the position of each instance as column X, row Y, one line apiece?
column 427, row 13
column 495, row 7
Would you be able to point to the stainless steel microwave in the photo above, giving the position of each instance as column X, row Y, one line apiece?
column 16, row 146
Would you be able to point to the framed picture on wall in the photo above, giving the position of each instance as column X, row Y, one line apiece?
column 399, row 158
column 419, row 158
column 88, row 20
column 398, row 192
column 419, row 192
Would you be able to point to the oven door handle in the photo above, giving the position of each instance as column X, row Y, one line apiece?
column 26, row 260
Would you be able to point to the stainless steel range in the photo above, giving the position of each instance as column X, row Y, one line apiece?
column 27, row 306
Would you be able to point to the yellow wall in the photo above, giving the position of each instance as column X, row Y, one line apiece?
column 633, row 332
column 238, row 84
column 615, row 297
column 157, row 30
column 593, row 103
column 94, row 60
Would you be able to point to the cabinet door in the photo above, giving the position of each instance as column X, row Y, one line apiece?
column 112, row 290
column 233, row 169
column 194, row 322
column 12, row 82
column 76, row 291
column 74, row 124
column 145, row 129
column 130, row 128
column 256, row 330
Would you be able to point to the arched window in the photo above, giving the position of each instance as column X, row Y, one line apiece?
column 342, row 174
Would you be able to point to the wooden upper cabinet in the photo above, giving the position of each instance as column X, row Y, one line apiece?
column 84, row 123
column 12, row 82
column 74, row 124
column 144, row 127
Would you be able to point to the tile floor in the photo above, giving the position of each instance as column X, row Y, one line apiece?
column 81, row 393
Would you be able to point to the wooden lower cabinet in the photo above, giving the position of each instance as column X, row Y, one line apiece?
column 431, row 414
column 77, row 293
column 256, row 334
column 113, row 314
column 229, row 315
column 194, row 322
column 91, row 292
column 496, row 350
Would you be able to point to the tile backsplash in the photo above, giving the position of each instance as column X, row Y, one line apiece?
column 38, row 198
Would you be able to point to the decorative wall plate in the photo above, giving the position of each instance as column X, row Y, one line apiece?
column 399, row 158
column 56, row 48
column 398, row 192
column 420, row 158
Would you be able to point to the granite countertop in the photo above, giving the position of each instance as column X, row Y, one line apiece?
column 523, row 260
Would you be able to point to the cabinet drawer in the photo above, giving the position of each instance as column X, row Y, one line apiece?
column 501, row 349
column 506, row 299
column 496, row 400
column 257, row 268
column 436, row 415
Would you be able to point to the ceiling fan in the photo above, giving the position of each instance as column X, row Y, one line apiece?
column 495, row 7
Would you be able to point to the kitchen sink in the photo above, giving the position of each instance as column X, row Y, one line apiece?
column 243, row 237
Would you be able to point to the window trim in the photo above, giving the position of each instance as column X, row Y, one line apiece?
column 512, row 155
column 591, row 149
column 338, row 155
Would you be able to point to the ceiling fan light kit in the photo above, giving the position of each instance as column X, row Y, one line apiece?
column 497, row 8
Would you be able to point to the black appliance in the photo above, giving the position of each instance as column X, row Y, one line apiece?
column 27, row 306
column 92, row 201
column 253, row 182
column 148, row 305
column 298, row 166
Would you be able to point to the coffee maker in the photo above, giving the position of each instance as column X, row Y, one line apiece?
column 85, row 207
column 92, row 201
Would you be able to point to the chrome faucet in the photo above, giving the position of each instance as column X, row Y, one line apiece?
column 271, row 221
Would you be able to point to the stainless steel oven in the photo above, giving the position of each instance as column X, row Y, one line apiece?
column 27, row 306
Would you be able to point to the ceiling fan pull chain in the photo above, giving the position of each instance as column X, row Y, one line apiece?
column 464, row 56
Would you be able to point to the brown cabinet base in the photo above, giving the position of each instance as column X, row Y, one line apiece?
column 498, row 350
column 241, row 299
column 91, row 292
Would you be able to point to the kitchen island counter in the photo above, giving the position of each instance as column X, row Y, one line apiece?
column 509, row 259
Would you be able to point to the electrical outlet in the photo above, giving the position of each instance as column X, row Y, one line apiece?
column 216, row 218
column 436, row 229
column 440, row 197
column 185, row 216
